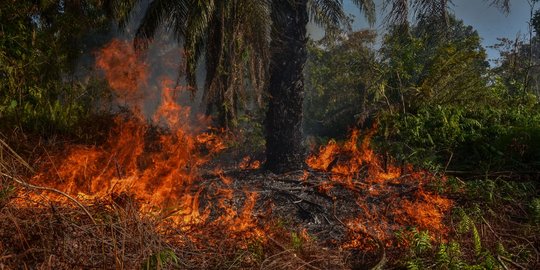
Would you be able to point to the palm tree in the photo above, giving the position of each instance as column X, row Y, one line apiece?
column 400, row 10
column 284, row 149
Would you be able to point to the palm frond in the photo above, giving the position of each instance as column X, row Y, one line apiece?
column 504, row 5
column 120, row 10
column 437, row 9
column 193, row 49
column 368, row 8
column 327, row 13
column 160, row 12
column 399, row 11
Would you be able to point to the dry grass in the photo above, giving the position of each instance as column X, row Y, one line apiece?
column 60, row 238
column 49, row 236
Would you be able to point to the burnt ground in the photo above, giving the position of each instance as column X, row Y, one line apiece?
column 358, row 219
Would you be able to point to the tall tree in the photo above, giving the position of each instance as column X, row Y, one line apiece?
column 284, row 150
column 286, row 88
column 216, row 29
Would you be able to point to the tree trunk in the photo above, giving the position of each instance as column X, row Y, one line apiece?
column 284, row 150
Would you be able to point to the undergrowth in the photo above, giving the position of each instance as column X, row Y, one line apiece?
column 493, row 226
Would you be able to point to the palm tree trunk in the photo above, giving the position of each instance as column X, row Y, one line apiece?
column 284, row 150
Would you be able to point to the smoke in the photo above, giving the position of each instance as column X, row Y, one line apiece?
column 162, row 61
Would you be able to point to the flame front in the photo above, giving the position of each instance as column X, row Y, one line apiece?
column 400, row 192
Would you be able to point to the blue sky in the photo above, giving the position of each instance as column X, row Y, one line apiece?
column 488, row 21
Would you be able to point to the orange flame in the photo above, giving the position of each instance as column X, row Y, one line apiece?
column 248, row 163
column 157, row 164
column 123, row 69
column 361, row 170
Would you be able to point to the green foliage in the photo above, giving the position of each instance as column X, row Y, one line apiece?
column 423, row 255
column 437, row 103
column 420, row 245
column 448, row 256
column 442, row 257
column 340, row 76
column 430, row 134
column 423, row 68
column 518, row 64
column 248, row 135
column 480, row 137
column 39, row 46
column 477, row 241
column 464, row 251
column 421, row 242
column 160, row 260
column 490, row 203
column 499, row 192
column 256, row 250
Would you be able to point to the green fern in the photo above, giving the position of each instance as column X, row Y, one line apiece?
column 296, row 241
column 465, row 223
column 501, row 250
column 422, row 242
column 477, row 241
column 490, row 262
column 442, row 258
column 454, row 253
column 414, row 264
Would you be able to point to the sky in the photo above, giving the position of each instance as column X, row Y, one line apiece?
column 490, row 22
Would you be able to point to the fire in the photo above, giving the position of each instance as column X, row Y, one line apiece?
column 400, row 193
column 154, row 159
column 357, row 159
column 248, row 163
column 124, row 70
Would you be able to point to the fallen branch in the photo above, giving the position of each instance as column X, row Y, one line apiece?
column 290, row 251
column 28, row 185
column 19, row 158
